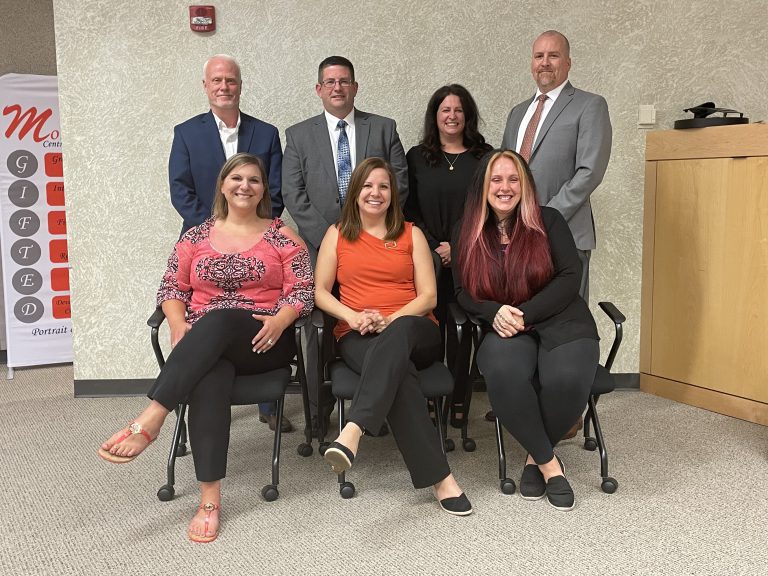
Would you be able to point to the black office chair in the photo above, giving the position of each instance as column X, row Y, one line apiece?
column 253, row 389
column 603, row 384
column 436, row 383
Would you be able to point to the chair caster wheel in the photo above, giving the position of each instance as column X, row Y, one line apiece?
column 323, row 447
column 347, row 490
column 468, row 444
column 609, row 485
column 590, row 444
column 166, row 492
column 270, row 493
column 508, row 486
column 450, row 446
column 181, row 450
column 304, row 449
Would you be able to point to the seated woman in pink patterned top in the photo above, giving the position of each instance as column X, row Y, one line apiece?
column 233, row 286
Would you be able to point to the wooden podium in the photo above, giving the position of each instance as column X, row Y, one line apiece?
column 704, row 319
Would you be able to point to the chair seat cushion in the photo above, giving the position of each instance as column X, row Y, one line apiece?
column 435, row 380
column 257, row 388
column 604, row 382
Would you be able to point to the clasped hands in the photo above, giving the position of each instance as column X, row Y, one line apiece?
column 369, row 321
column 508, row 321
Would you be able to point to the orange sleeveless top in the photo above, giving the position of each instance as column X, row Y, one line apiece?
column 375, row 274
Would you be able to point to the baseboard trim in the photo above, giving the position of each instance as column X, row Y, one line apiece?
column 112, row 387
column 627, row 380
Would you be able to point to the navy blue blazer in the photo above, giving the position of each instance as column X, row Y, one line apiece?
column 197, row 156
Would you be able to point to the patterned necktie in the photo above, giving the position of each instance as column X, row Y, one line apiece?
column 343, row 161
column 530, row 131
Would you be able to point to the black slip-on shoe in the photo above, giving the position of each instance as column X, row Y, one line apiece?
column 560, row 494
column 458, row 505
column 339, row 457
column 532, row 485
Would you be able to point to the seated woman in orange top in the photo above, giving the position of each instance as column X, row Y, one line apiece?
column 386, row 331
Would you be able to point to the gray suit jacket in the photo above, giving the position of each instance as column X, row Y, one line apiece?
column 310, row 188
column 569, row 157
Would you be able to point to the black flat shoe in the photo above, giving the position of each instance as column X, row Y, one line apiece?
column 339, row 457
column 532, row 485
column 559, row 491
column 458, row 505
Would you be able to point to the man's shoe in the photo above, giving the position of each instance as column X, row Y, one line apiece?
column 271, row 419
column 575, row 429
column 490, row 416
column 532, row 485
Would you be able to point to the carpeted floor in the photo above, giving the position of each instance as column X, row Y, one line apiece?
column 691, row 499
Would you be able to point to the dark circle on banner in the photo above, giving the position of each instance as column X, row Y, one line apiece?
column 23, row 193
column 22, row 163
column 26, row 252
column 28, row 310
column 27, row 281
column 24, row 223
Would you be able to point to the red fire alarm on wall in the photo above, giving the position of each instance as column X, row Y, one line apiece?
column 202, row 18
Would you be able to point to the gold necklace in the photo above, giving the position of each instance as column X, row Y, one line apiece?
column 450, row 164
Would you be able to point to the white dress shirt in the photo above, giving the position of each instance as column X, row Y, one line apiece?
column 333, row 133
column 228, row 135
column 548, row 103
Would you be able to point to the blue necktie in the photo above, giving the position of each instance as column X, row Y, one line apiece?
column 343, row 161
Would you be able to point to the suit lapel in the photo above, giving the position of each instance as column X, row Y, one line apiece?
column 211, row 134
column 562, row 101
column 517, row 118
column 362, row 129
column 322, row 142
column 245, row 134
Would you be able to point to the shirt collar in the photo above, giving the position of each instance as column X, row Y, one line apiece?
column 332, row 121
column 552, row 94
column 221, row 125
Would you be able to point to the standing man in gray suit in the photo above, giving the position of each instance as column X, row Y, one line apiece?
column 565, row 136
column 320, row 154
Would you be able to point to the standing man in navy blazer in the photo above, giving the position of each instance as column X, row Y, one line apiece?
column 311, row 188
column 202, row 145
column 571, row 143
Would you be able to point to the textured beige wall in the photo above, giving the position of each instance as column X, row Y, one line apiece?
column 128, row 74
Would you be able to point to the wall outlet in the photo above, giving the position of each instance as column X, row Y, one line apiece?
column 646, row 115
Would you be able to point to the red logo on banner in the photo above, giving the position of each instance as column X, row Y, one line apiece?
column 53, row 165
column 57, row 222
column 59, row 251
column 54, row 192
column 61, row 307
column 60, row 279
column 31, row 119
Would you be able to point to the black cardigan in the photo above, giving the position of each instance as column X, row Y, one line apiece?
column 556, row 312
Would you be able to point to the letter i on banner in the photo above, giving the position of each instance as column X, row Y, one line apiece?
column 33, row 223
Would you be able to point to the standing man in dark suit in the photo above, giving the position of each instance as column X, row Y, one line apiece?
column 202, row 145
column 320, row 154
column 565, row 135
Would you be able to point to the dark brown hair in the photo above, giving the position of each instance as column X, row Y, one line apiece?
column 220, row 208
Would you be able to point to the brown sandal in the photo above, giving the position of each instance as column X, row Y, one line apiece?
column 208, row 507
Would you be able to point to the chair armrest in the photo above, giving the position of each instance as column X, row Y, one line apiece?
column 618, row 319
column 613, row 312
column 318, row 318
column 457, row 313
column 156, row 319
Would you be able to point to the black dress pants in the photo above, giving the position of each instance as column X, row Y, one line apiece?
column 537, row 416
column 201, row 370
column 389, row 388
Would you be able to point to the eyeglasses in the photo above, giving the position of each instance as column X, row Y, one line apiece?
column 344, row 83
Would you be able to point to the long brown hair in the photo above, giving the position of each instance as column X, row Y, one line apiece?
column 220, row 208
column 488, row 270
column 350, row 223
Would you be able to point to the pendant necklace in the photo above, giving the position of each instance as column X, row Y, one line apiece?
column 450, row 164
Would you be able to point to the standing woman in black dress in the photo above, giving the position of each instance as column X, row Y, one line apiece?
column 440, row 170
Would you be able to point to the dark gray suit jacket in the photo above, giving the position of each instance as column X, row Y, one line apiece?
column 569, row 157
column 310, row 188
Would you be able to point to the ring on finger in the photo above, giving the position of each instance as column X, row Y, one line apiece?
column 269, row 341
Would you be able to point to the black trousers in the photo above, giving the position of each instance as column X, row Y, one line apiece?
column 389, row 388
column 201, row 370
column 537, row 412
